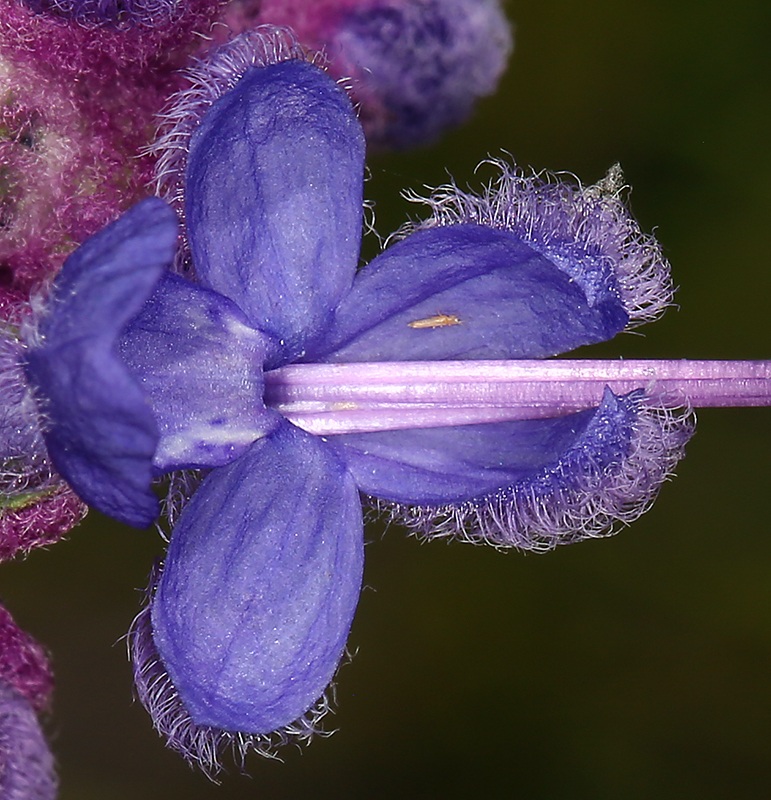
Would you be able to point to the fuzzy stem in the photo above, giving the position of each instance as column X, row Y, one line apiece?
column 354, row 398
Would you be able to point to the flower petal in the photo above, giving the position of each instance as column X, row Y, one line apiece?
column 274, row 199
column 430, row 466
column 531, row 485
column 468, row 292
column 201, row 366
column 584, row 230
column 262, row 578
column 102, row 435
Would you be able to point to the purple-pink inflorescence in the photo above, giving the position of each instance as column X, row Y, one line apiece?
column 100, row 52
column 110, row 13
column 78, row 105
column 40, row 522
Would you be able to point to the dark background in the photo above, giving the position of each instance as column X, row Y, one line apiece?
column 634, row 667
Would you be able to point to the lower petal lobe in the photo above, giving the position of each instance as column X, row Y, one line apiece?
column 532, row 486
column 434, row 466
column 467, row 291
column 469, row 463
column 261, row 581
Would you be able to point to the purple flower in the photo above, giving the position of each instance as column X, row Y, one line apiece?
column 26, row 763
column 141, row 372
column 418, row 68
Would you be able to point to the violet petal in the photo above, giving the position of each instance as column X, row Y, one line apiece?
column 274, row 199
column 468, row 292
column 610, row 473
column 260, row 584
column 102, row 434
column 428, row 466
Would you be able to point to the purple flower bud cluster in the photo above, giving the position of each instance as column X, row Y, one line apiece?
column 415, row 69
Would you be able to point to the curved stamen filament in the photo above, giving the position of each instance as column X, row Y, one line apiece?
column 330, row 399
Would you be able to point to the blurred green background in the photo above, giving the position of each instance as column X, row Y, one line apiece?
column 633, row 667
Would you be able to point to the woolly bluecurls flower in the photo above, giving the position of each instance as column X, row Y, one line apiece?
column 416, row 67
column 26, row 763
column 141, row 371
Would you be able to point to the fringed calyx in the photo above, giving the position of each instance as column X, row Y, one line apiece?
column 202, row 745
column 580, row 228
column 38, row 519
column 575, row 499
column 208, row 80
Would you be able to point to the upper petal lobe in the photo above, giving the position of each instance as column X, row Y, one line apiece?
column 466, row 291
column 274, row 199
